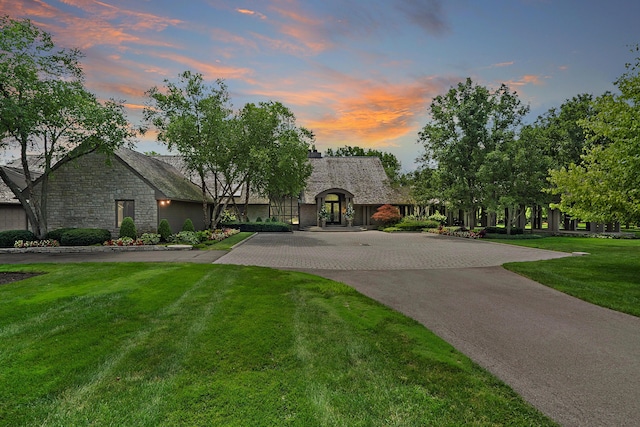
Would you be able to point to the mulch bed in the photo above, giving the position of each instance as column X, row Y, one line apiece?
column 13, row 276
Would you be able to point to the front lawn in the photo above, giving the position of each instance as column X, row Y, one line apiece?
column 187, row 344
column 609, row 276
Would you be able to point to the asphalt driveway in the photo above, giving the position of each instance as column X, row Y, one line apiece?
column 576, row 362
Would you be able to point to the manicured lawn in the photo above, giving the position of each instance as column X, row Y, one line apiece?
column 186, row 344
column 609, row 276
column 225, row 244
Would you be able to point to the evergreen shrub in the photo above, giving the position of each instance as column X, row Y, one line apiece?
column 9, row 237
column 128, row 228
column 85, row 237
column 57, row 233
column 164, row 230
column 188, row 225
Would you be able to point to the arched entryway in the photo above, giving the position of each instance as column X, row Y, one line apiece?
column 335, row 202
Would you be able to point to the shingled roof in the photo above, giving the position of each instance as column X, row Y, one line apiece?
column 178, row 162
column 167, row 181
column 364, row 177
column 16, row 175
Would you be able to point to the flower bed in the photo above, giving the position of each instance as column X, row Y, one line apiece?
column 48, row 243
column 458, row 232
column 124, row 241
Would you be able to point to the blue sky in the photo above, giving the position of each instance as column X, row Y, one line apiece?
column 354, row 72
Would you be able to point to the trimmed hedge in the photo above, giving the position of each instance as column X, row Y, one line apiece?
column 85, row 237
column 503, row 230
column 57, row 233
column 9, row 237
column 259, row 226
column 416, row 225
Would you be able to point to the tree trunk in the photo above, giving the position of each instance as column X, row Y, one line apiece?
column 31, row 216
column 246, row 200
column 205, row 204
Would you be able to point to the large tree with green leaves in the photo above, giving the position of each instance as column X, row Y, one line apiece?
column 280, row 167
column 514, row 175
column 605, row 186
column 195, row 119
column 468, row 123
column 45, row 110
column 390, row 162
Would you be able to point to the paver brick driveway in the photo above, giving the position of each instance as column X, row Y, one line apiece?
column 374, row 250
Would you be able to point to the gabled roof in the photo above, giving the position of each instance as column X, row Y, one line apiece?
column 16, row 175
column 363, row 176
column 165, row 179
column 178, row 162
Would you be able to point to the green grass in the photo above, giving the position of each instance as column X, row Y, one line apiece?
column 608, row 277
column 225, row 244
column 186, row 344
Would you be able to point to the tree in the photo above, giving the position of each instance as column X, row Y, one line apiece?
column 467, row 124
column 280, row 166
column 605, row 186
column 195, row 119
column 559, row 132
column 390, row 162
column 387, row 215
column 260, row 146
column 515, row 175
column 44, row 108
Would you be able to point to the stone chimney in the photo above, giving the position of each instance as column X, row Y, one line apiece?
column 314, row 154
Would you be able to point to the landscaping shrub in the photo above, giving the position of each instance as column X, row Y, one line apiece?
column 185, row 237
column 85, row 237
column 150, row 238
column 416, row 225
column 188, row 225
column 128, row 228
column 437, row 216
column 164, row 230
column 260, row 226
column 387, row 215
column 501, row 230
column 57, row 233
column 8, row 238
column 259, row 219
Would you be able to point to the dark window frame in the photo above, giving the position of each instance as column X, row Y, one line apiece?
column 124, row 208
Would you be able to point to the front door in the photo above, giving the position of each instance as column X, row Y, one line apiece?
column 332, row 205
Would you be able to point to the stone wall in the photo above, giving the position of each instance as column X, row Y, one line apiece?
column 84, row 193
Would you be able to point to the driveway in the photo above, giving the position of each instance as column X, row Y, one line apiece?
column 576, row 362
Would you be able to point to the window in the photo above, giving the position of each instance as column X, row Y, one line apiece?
column 124, row 208
column 285, row 210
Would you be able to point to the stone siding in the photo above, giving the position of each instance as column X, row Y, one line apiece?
column 84, row 193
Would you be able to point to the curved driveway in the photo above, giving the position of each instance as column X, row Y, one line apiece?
column 576, row 362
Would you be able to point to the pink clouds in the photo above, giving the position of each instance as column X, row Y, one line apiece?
column 528, row 79
column 363, row 111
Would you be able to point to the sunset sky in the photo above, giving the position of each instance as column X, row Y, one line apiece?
column 355, row 72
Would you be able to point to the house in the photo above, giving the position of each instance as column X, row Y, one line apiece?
column 96, row 191
column 336, row 182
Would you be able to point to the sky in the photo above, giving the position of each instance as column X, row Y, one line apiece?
column 355, row 72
